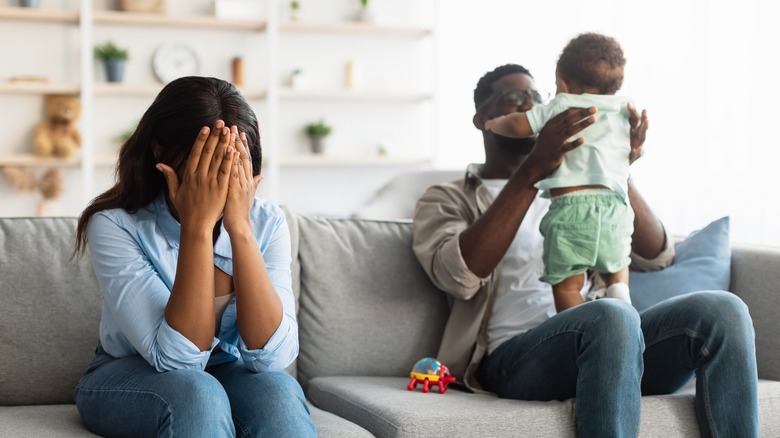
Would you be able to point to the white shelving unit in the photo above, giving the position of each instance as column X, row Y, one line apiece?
column 272, row 95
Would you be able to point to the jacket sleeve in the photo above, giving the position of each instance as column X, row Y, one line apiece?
column 661, row 261
column 440, row 216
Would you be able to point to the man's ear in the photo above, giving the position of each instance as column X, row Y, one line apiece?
column 479, row 120
column 562, row 86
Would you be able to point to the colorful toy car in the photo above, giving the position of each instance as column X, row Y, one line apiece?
column 430, row 372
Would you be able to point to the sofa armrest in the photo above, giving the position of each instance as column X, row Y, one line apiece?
column 755, row 277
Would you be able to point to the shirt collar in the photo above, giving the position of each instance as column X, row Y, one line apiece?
column 474, row 181
column 171, row 229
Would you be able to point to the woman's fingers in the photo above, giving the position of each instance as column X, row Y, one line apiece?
column 197, row 150
column 204, row 163
column 247, row 156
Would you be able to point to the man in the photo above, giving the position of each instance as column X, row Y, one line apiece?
column 478, row 240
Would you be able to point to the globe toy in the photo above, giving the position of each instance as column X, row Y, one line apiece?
column 430, row 372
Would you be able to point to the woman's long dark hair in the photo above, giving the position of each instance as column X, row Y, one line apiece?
column 173, row 121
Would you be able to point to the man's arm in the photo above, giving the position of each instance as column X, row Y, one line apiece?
column 514, row 125
column 484, row 243
column 649, row 238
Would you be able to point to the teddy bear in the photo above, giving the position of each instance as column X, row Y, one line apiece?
column 57, row 134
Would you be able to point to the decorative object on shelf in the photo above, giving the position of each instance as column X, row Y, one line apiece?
column 114, row 59
column 28, row 79
column 175, row 60
column 237, row 71
column 144, row 6
column 381, row 150
column 24, row 180
column 317, row 132
column 364, row 13
column 297, row 79
column 29, row 3
column 352, row 75
column 430, row 372
column 57, row 134
column 237, row 9
column 295, row 7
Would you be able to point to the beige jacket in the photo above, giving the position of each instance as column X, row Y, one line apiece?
column 441, row 214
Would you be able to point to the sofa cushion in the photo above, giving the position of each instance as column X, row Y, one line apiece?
column 50, row 310
column 367, row 307
column 386, row 408
column 62, row 421
column 44, row 421
column 330, row 425
column 702, row 261
column 755, row 274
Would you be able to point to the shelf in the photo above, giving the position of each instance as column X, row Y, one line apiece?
column 30, row 160
column 351, row 28
column 195, row 21
column 37, row 88
column 151, row 90
column 349, row 161
column 387, row 96
column 38, row 14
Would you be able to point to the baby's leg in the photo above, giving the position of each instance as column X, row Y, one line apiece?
column 617, row 285
column 567, row 292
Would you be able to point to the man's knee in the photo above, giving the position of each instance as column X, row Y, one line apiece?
column 719, row 306
column 612, row 314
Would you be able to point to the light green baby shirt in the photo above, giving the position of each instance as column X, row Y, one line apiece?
column 603, row 158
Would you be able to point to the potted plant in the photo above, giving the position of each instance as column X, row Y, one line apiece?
column 316, row 132
column 364, row 14
column 295, row 6
column 114, row 59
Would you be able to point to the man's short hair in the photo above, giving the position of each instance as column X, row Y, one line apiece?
column 593, row 61
column 485, row 85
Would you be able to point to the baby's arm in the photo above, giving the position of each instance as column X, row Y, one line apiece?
column 511, row 125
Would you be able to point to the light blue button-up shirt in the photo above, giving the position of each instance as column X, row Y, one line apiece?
column 135, row 255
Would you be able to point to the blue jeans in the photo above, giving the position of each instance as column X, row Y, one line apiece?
column 607, row 355
column 127, row 397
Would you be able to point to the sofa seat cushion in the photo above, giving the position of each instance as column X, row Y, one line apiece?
column 332, row 426
column 386, row 408
column 42, row 421
column 63, row 421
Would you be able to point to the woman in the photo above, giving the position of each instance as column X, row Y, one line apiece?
column 198, row 317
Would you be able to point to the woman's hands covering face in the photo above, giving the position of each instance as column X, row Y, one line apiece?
column 242, row 187
column 199, row 198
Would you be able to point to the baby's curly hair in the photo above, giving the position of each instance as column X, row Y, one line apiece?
column 593, row 60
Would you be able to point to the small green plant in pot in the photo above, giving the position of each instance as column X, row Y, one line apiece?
column 114, row 59
column 316, row 132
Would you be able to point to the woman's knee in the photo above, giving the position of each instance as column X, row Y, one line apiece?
column 196, row 391
column 718, row 305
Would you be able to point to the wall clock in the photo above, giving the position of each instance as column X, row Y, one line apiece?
column 175, row 60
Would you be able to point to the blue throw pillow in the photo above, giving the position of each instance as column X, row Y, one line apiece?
column 702, row 262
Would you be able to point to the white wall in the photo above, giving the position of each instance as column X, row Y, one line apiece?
column 705, row 70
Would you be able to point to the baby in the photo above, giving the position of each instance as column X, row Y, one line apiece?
column 590, row 221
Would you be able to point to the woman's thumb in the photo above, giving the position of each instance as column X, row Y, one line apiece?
column 171, row 179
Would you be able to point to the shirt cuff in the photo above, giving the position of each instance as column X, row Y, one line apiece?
column 661, row 261
column 175, row 352
column 278, row 352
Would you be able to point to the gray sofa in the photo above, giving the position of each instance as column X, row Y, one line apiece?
column 367, row 313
